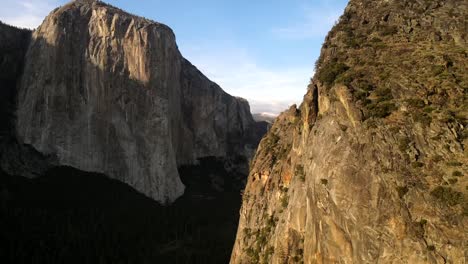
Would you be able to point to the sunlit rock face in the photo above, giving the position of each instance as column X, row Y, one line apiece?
column 372, row 166
column 109, row 92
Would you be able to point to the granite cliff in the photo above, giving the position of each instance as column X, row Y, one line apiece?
column 372, row 166
column 109, row 92
column 16, row 158
column 13, row 45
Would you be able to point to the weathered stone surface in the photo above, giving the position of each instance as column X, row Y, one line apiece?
column 371, row 168
column 216, row 123
column 13, row 46
column 109, row 92
column 15, row 158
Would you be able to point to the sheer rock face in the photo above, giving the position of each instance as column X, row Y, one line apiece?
column 15, row 159
column 109, row 92
column 13, row 47
column 217, row 123
column 372, row 167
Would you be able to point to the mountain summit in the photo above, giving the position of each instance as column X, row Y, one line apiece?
column 109, row 92
column 372, row 167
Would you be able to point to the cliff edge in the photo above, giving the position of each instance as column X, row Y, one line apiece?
column 109, row 92
column 372, row 167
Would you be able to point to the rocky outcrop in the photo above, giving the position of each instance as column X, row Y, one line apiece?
column 371, row 168
column 15, row 158
column 109, row 92
column 13, row 46
column 217, row 123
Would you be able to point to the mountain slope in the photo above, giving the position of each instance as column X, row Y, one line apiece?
column 372, row 166
column 109, row 92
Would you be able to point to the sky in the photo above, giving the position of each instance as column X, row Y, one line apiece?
column 261, row 50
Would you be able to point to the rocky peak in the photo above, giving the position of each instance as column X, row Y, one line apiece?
column 370, row 168
column 109, row 92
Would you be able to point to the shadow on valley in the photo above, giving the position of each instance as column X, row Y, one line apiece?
column 70, row 216
column 64, row 215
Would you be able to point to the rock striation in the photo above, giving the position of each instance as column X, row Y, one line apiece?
column 372, row 166
column 13, row 46
column 15, row 158
column 109, row 92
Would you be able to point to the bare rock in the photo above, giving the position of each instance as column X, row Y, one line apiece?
column 109, row 92
column 371, row 168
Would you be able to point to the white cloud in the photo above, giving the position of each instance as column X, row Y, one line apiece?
column 267, row 89
column 26, row 13
column 272, row 107
column 316, row 22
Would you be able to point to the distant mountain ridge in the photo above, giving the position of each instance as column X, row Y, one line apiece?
column 267, row 117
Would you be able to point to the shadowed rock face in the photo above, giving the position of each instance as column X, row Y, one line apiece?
column 17, row 159
column 372, row 167
column 13, row 46
column 109, row 92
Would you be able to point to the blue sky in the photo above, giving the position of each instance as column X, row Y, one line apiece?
column 262, row 50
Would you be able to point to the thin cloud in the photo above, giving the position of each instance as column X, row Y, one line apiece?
column 26, row 13
column 272, row 107
column 315, row 23
column 270, row 90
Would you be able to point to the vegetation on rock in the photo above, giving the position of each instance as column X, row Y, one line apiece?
column 384, row 119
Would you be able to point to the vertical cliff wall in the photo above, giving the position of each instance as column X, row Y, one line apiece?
column 16, row 159
column 13, row 46
column 372, row 167
column 109, row 92
column 218, row 124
